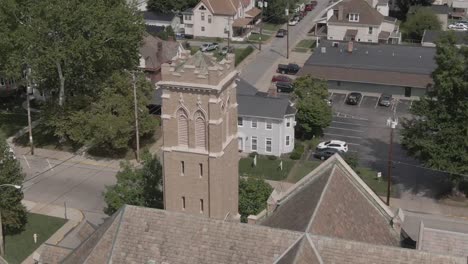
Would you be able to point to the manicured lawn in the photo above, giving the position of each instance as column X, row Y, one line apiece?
column 305, row 45
column 271, row 27
column 302, row 169
column 10, row 123
column 369, row 176
column 267, row 169
column 241, row 54
column 19, row 247
column 256, row 37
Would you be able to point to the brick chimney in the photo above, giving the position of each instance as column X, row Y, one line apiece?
column 272, row 91
column 350, row 46
column 340, row 13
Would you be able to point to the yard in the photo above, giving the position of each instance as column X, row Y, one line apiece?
column 266, row 168
column 302, row 169
column 271, row 27
column 305, row 45
column 369, row 176
column 19, row 247
column 256, row 37
column 10, row 122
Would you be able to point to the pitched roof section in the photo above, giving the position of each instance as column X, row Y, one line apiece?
column 334, row 250
column 52, row 254
column 144, row 234
column 333, row 201
column 156, row 51
column 367, row 14
column 442, row 241
column 263, row 106
column 222, row 7
column 150, row 15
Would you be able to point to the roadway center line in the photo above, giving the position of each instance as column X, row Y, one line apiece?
column 354, row 130
column 330, row 134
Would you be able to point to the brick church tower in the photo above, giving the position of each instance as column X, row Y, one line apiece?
column 199, row 120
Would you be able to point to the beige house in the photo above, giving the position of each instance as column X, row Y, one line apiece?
column 221, row 19
column 362, row 21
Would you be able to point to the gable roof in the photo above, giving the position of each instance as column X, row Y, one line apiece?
column 221, row 7
column 156, row 51
column 150, row 15
column 443, row 241
column 330, row 201
column 367, row 14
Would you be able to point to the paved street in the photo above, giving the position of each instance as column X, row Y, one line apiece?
column 364, row 128
column 272, row 53
column 68, row 179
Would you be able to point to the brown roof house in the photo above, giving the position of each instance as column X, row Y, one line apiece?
column 330, row 216
column 400, row 70
column 362, row 21
column 154, row 52
column 221, row 19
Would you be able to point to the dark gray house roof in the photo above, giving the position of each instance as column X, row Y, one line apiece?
column 431, row 36
column 261, row 106
column 245, row 88
column 153, row 30
column 396, row 65
column 149, row 15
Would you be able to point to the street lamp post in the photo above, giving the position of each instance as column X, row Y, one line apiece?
column 2, row 244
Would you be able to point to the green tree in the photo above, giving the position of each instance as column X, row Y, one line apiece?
column 253, row 195
column 313, row 111
column 438, row 136
column 166, row 6
column 109, row 122
column 13, row 213
column 404, row 5
column 422, row 19
column 136, row 186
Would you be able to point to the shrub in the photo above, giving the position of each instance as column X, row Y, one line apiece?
column 219, row 40
column 272, row 157
column 242, row 55
column 253, row 154
column 352, row 159
column 295, row 155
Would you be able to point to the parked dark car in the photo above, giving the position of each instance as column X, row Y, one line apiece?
column 281, row 78
column 385, row 100
column 281, row 33
column 324, row 154
column 290, row 68
column 309, row 7
column 353, row 98
column 284, row 87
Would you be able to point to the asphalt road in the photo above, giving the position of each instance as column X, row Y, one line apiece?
column 57, row 182
column 365, row 130
column 271, row 53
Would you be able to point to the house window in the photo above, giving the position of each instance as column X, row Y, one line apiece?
column 288, row 122
column 268, row 125
column 200, row 130
column 189, row 26
column 182, row 168
column 201, row 205
column 253, row 147
column 209, row 19
column 201, row 169
column 268, row 144
column 188, row 17
column 254, row 123
column 183, row 202
column 354, row 17
column 240, row 122
column 202, row 16
column 370, row 30
column 202, row 28
column 288, row 141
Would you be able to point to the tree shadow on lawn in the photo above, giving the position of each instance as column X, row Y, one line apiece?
column 408, row 174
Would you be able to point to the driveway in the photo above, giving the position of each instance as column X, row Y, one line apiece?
column 364, row 128
column 272, row 53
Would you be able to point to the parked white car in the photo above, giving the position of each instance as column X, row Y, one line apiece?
column 209, row 46
column 458, row 26
column 293, row 22
column 335, row 144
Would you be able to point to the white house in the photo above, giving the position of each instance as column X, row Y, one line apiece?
column 265, row 121
column 362, row 21
column 221, row 18
column 162, row 20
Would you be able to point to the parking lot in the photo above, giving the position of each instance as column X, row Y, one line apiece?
column 364, row 128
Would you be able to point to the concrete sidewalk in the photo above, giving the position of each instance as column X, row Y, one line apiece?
column 429, row 206
column 74, row 217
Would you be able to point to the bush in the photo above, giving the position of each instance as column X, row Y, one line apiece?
column 242, row 55
column 295, row 155
column 253, row 154
column 352, row 159
column 313, row 143
column 297, row 152
column 272, row 157
column 219, row 40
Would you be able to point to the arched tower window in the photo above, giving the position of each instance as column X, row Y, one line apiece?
column 182, row 128
column 200, row 130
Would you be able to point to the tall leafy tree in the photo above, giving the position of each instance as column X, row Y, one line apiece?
column 253, row 195
column 136, row 186
column 166, row 6
column 313, row 111
column 13, row 213
column 422, row 19
column 438, row 136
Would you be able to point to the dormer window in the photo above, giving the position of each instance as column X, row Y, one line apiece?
column 354, row 17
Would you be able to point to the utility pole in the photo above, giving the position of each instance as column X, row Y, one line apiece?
column 262, row 5
column 229, row 33
column 287, row 32
column 29, row 90
column 137, row 134
column 391, row 122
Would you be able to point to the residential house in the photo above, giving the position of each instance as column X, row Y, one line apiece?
column 329, row 216
column 162, row 20
column 154, row 52
column 221, row 19
column 459, row 9
column 265, row 122
column 400, row 70
column 430, row 38
column 362, row 21
column 441, row 12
